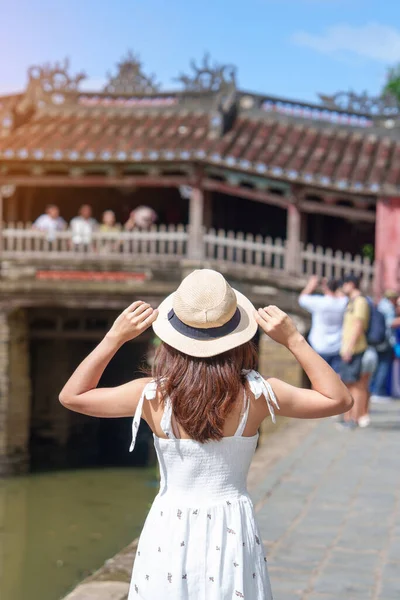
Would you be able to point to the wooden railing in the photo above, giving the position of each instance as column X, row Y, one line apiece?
column 172, row 243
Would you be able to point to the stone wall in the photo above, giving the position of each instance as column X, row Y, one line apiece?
column 15, row 392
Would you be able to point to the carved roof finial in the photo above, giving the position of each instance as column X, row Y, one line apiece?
column 54, row 78
column 386, row 104
column 130, row 78
column 208, row 77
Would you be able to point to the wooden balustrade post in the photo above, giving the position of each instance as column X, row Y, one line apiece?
column 293, row 240
column 196, row 224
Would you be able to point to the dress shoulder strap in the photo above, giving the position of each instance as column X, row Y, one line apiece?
column 260, row 387
column 149, row 393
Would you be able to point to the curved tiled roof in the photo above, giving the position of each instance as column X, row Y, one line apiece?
column 270, row 137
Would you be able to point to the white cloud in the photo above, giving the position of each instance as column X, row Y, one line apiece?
column 373, row 41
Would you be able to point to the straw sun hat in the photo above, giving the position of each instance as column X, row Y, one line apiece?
column 205, row 316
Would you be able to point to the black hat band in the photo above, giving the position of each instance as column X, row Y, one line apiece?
column 199, row 333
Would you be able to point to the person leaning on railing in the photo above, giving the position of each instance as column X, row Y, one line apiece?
column 109, row 225
column 82, row 228
column 50, row 222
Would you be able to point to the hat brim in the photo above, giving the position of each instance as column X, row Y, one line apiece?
column 243, row 333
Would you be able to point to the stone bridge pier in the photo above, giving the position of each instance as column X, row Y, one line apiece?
column 15, row 392
column 44, row 336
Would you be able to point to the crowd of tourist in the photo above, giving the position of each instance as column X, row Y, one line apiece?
column 357, row 338
column 84, row 225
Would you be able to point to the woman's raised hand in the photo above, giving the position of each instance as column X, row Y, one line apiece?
column 133, row 321
column 277, row 325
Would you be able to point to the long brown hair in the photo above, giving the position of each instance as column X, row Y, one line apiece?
column 202, row 390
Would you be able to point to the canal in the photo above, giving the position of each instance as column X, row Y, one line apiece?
column 57, row 527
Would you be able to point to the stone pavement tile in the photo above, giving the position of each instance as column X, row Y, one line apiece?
column 390, row 590
column 294, row 584
column 343, row 557
column 353, row 574
column 295, row 554
column 343, row 585
column 100, row 590
column 321, row 597
column 391, row 570
column 319, row 538
column 394, row 549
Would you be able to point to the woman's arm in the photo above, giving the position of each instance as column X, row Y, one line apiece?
column 80, row 393
column 329, row 395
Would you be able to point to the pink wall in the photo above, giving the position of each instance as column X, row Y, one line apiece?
column 387, row 244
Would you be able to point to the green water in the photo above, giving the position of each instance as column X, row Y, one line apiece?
column 55, row 528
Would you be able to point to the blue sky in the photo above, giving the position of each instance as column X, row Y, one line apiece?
column 291, row 48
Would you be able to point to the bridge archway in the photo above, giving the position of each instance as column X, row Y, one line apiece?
column 59, row 438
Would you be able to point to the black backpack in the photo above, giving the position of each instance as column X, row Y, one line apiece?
column 376, row 332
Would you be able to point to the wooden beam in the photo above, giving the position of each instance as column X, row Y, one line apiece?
column 242, row 192
column 95, row 181
column 355, row 214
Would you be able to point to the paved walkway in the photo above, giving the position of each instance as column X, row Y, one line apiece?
column 329, row 512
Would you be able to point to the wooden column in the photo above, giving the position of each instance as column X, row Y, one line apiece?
column 387, row 239
column 208, row 209
column 293, row 239
column 196, row 224
column 11, row 214
column 27, row 205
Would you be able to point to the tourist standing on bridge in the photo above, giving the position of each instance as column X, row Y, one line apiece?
column 204, row 404
column 354, row 345
column 380, row 381
column 142, row 217
column 50, row 222
column 327, row 313
column 83, row 226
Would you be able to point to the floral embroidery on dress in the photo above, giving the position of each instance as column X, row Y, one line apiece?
column 238, row 512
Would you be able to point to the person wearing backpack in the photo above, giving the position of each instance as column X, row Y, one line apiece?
column 379, row 384
column 356, row 323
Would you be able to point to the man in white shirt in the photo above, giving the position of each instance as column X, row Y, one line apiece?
column 327, row 312
column 50, row 222
column 83, row 226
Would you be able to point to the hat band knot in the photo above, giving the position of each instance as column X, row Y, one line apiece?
column 199, row 333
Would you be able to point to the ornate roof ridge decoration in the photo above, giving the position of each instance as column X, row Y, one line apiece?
column 130, row 78
column 208, row 77
column 54, row 78
column 384, row 105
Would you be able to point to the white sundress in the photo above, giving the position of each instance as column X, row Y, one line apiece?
column 200, row 540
